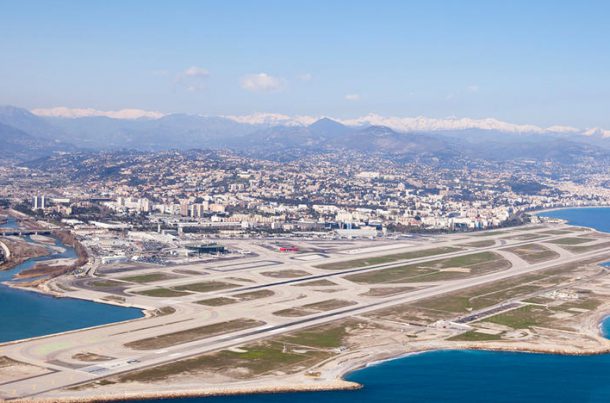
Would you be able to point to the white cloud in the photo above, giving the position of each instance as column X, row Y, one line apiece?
column 305, row 77
column 472, row 88
column 193, row 78
column 352, row 97
column 195, row 71
column 63, row 112
column 261, row 82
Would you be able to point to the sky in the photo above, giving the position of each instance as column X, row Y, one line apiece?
column 529, row 62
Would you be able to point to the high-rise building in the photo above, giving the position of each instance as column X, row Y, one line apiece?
column 184, row 208
column 38, row 203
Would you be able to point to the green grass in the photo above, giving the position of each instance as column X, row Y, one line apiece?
column 245, row 296
column 107, row 284
column 328, row 305
column 256, row 360
column 285, row 273
column 292, row 312
column 447, row 306
column 162, row 293
column 394, row 275
column 319, row 337
column 316, row 283
column 252, row 295
column 480, row 244
column 555, row 232
column 588, row 248
column 570, row 241
column 206, row 286
column 386, row 291
column 198, row 333
column 584, row 303
column 524, row 237
column 217, row 301
column 465, row 260
column 484, row 296
column 147, row 278
column 486, row 233
column 473, row 335
column 315, row 307
column 387, row 259
column 533, row 253
column 430, row 271
column 522, row 318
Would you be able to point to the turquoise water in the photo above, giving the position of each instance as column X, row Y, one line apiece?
column 26, row 314
column 472, row 376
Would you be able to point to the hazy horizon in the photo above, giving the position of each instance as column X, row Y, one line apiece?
column 525, row 63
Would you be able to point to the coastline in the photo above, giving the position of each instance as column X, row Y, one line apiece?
column 325, row 386
column 339, row 384
column 351, row 364
column 549, row 210
column 370, row 358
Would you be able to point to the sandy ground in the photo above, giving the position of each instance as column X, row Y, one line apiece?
column 367, row 347
column 379, row 338
column 12, row 370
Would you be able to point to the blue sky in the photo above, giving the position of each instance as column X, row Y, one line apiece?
column 540, row 62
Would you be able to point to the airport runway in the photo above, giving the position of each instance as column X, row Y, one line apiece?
column 54, row 352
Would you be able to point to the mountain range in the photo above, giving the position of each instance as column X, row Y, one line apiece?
column 26, row 136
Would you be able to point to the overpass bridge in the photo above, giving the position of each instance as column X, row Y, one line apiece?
column 22, row 232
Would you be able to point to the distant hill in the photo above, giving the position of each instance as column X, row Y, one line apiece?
column 17, row 145
column 39, row 136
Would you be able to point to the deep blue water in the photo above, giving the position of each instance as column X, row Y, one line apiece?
column 472, row 376
column 26, row 314
column 598, row 218
column 463, row 376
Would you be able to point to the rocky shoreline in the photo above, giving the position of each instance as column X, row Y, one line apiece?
column 220, row 391
column 311, row 385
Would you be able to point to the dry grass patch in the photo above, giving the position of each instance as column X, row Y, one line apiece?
column 162, row 293
column 91, row 357
column 480, row 244
column 386, row 291
column 220, row 301
column 588, row 248
column 147, row 278
column 316, row 283
column 315, row 307
column 206, row 286
column 533, row 253
column 252, row 295
column 570, row 241
column 286, row 273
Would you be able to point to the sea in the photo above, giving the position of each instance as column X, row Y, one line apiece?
column 471, row 376
column 25, row 314
column 437, row 376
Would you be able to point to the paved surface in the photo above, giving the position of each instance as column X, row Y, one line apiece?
column 56, row 352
